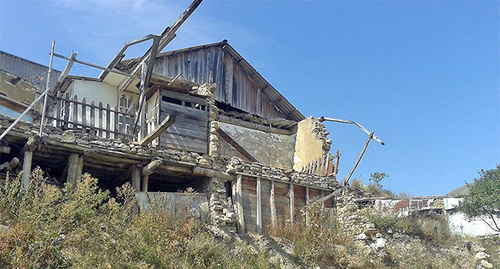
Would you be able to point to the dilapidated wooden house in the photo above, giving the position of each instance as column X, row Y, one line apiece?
column 199, row 118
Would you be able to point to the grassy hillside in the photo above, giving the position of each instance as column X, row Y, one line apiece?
column 51, row 227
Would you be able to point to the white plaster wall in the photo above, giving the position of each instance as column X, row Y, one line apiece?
column 268, row 148
column 460, row 225
column 95, row 91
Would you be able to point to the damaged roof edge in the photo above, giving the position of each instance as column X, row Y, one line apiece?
column 274, row 96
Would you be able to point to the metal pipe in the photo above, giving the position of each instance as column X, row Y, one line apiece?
column 95, row 66
column 322, row 119
column 11, row 126
column 47, row 86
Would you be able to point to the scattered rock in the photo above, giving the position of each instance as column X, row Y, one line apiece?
column 380, row 243
column 486, row 264
column 482, row 256
column 361, row 236
column 68, row 137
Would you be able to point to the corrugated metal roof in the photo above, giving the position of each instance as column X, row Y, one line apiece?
column 27, row 70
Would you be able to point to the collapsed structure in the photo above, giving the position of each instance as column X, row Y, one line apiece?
column 199, row 118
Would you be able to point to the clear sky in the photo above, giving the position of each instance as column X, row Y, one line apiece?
column 424, row 75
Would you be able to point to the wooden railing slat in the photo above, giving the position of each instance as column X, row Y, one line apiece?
column 84, row 116
column 68, row 112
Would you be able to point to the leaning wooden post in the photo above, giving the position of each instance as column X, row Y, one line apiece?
column 291, row 194
column 370, row 137
column 73, row 164
column 239, row 205
column 272, row 203
column 259, row 207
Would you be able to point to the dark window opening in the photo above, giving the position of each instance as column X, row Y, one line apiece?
column 227, row 107
column 166, row 183
column 229, row 191
column 183, row 103
column 171, row 100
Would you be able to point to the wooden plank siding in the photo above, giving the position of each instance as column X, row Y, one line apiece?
column 282, row 202
column 190, row 130
column 249, row 196
column 212, row 64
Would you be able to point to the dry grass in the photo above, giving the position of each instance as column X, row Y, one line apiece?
column 84, row 227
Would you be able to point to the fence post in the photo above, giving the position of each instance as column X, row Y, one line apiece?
column 92, row 118
column 66, row 112
column 75, row 112
column 108, row 119
column 84, row 116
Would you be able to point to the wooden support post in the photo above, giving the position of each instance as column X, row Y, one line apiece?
column 80, row 168
column 25, row 178
column 136, row 179
column 28, row 149
column 322, row 202
column 272, row 203
column 291, row 194
column 145, row 183
column 72, row 168
column 259, row 207
column 239, row 205
column 307, row 203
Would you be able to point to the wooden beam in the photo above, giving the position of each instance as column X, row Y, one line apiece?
column 272, row 203
column 235, row 144
column 255, row 126
column 370, row 137
column 166, row 37
column 167, row 122
column 239, row 205
column 151, row 167
column 259, row 207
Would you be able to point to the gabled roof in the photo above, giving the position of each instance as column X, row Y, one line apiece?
column 270, row 92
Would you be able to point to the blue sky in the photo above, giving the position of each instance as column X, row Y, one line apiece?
column 425, row 75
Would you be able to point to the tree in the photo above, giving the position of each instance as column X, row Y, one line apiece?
column 377, row 177
column 483, row 200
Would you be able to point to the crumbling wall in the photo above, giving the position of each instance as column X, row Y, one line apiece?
column 196, row 203
column 16, row 88
column 267, row 148
column 312, row 144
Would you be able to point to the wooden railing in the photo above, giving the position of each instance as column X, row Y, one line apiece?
column 98, row 120
column 324, row 166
